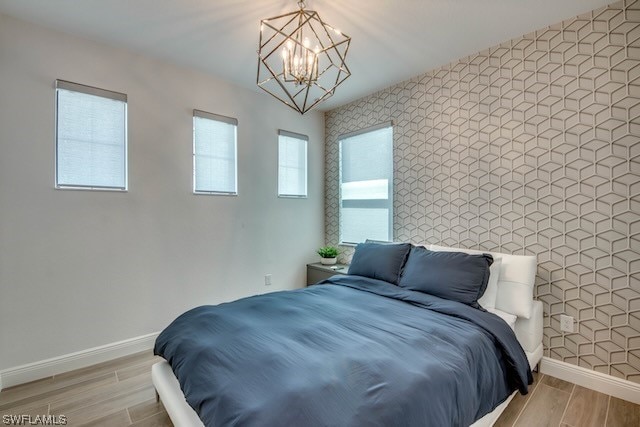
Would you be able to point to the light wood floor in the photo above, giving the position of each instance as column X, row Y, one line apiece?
column 120, row 393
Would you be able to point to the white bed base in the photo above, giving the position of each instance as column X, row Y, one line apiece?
column 528, row 331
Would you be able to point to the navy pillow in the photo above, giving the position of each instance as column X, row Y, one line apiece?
column 454, row 276
column 380, row 261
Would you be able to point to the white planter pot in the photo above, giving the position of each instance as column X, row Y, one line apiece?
column 328, row 261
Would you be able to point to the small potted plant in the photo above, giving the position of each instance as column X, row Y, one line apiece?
column 328, row 255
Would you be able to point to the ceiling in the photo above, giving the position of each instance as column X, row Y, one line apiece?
column 392, row 40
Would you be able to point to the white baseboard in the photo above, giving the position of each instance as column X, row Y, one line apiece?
column 80, row 359
column 588, row 378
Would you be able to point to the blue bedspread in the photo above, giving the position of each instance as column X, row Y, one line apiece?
column 350, row 352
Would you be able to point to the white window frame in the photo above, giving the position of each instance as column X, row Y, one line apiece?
column 90, row 90
column 387, row 203
column 304, row 138
column 224, row 119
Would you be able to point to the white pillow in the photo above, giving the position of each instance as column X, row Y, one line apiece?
column 488, row 299
column 515, row 288
column 507, row 317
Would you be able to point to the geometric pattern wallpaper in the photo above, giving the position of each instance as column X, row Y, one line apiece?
column 530, row 147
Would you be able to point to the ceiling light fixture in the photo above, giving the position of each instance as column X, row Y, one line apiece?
column 301, row 60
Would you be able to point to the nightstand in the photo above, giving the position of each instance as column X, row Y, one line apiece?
column 317, row 272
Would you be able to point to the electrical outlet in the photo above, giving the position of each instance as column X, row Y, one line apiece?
column 566, row 323
column 267, row 280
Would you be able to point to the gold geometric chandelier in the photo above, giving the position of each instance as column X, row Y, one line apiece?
column 301, row 60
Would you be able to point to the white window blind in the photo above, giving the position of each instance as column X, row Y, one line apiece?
column 91, row 137
column 366, row 185
column 292, row 164
column 214, row 154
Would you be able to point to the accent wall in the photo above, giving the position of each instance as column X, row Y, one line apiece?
column 530, row 147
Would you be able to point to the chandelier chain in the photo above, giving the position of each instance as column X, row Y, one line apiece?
column 302, row 4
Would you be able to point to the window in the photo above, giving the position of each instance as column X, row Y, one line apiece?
column 91, row 137
column 214, row 154
column 292, row 164
column 366, row 185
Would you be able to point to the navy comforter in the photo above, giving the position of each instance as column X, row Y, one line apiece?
column 351, row 352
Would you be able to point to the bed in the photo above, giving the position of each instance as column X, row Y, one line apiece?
column 275, row 384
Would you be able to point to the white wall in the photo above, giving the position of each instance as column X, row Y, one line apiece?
column 80, row 269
